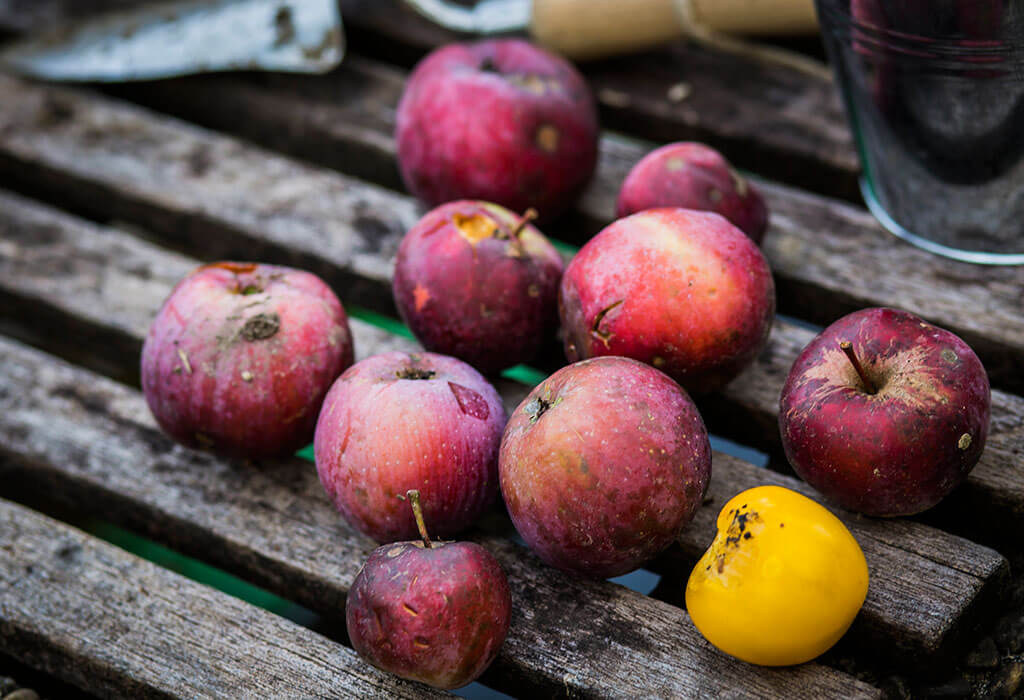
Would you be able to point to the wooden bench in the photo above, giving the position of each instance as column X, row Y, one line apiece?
column 105, row 204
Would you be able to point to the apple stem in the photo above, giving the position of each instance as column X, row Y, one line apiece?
column 528, row 216
column 414, row 500
column 847, row 347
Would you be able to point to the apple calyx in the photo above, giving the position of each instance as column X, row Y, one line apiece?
column 415, row 373
column 869, row 386
column 261, row 327
column 536, row 408
column 417, row 512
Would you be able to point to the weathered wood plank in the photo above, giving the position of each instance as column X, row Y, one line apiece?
column 118, row 626
column 910, row 554
column 824, row 253
column 764, row 114
column 90, row 441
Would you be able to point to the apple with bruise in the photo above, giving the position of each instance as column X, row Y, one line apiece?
column 682, row 290
column 476, row 281
column 694, row 176
column 398, row 421
column 603, row 464
column 240, row 357
column 429, row 611
column 499, row 120
column 885, row 414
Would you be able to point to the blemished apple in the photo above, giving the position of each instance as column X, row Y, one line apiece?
column 240, row 357
column 694, row 176
column 398, row 421
column 478, row 282
column 501, row 121
column 603, row 464
column 429, row 611
column 682, row 290
column 884, row 413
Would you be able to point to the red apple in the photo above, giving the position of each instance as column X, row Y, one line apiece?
column 396, row 421
column 694, row 176
column 434, row 612
column 603, row 464
column 240, row 357
column 476, row 281
column 890, row 423
column 682, row 290
column 499, row 120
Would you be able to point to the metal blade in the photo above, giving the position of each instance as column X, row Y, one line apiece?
column 187, row 36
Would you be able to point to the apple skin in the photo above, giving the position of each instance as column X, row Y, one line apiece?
column 240, row 356
column 500, row 120
column 899, row 451
column 469, row 286
column 682, row 290
column 603, row 464
column 694, row 176
column 437, row 615
column 380, row 435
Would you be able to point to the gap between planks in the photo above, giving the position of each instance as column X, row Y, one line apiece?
column 134, row 277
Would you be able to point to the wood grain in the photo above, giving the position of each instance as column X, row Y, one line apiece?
column 825, row 254
column 908, row 558
column 117, row 626
column 91, row 442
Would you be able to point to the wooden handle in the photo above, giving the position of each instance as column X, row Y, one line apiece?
column 583, row 29
column 761, row 17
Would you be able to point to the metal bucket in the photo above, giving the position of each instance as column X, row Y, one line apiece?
column 934, row 90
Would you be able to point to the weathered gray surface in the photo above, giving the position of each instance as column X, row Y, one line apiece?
column 117, row 626
column 918, row 634
column 829, row 257
column 87, row 440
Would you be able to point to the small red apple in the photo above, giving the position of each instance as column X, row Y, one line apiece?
column 399, row 420
column 603, row 464
column 476, row 281
column 694, row 176
column 241, row 355
column 884, row 413
column 682, row 290
column 434, row 612
column 500, row 120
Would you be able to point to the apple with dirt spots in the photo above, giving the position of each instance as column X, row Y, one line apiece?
column 398, row 421
column 476, row 281
column 682, row 290
column 694, row 176
column 884, row 413
column 429, row 611
column 240, row 356
column 500, row 120
column 603, row 464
